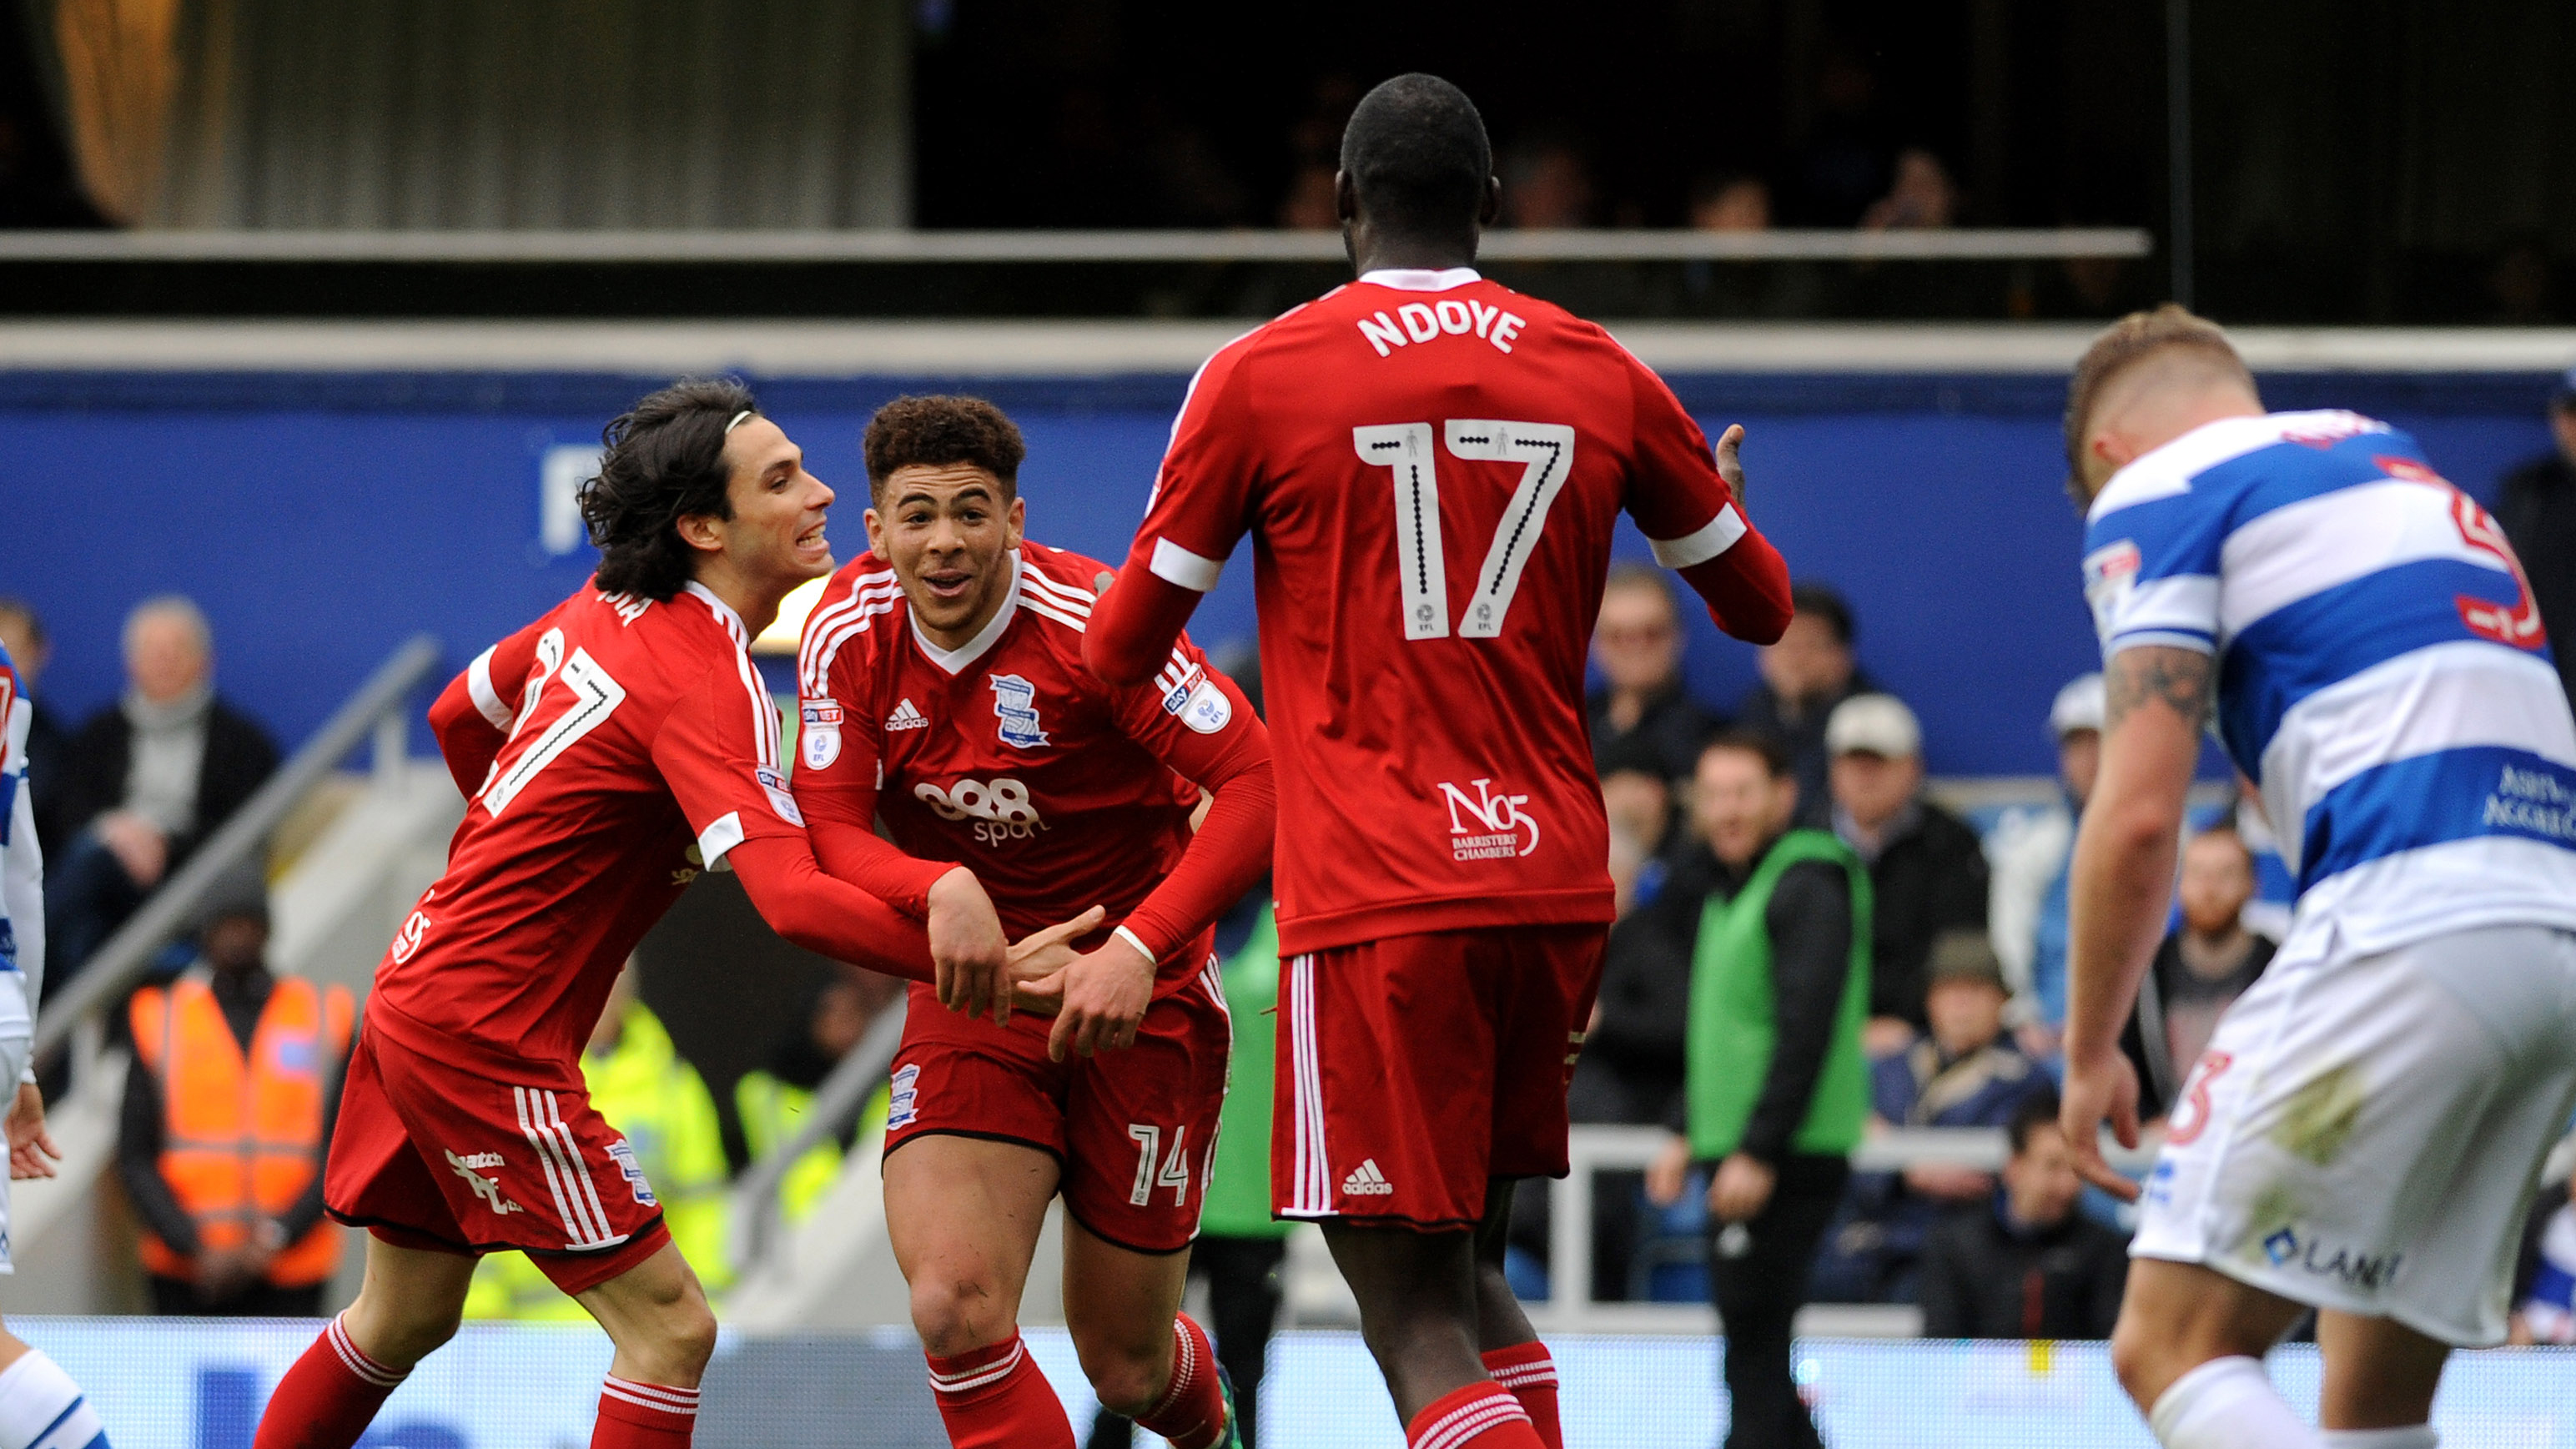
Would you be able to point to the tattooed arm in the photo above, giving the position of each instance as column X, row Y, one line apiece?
column 2121, row 882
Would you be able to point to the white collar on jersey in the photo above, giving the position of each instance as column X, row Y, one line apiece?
column 1419, row 279
column 954, row 661
column 724, row 611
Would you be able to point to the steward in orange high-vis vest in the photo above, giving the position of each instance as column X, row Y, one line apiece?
column 244, row 1069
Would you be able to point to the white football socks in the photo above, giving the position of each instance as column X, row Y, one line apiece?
column 2228, row 1403
column 41, row 1408
column 2413, row 1436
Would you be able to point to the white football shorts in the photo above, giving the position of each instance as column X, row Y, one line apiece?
column 2366, row 1134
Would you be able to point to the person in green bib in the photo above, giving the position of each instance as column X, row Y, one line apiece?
column 1776, row 1084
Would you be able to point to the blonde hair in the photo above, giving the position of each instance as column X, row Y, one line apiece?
column 2126, row 343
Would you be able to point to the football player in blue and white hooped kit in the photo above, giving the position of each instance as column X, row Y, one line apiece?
column 2363, row 1133
column 40, row 1406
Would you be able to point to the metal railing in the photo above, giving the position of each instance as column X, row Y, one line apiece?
column 759, row 1218
column 74, row 1015
column 1570, row 1303
column 1063, row 247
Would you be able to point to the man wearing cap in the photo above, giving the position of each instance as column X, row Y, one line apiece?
column 234, row 1090
column 2538, row 512
column 1927, row 868
column 2029, row 849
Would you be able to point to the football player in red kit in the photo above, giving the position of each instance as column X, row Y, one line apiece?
column 612, row 750
column 1431, row 466
column 944, row 691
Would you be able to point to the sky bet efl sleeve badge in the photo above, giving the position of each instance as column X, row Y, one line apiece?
column 821, row 732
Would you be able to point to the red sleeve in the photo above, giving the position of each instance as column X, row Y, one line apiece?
column 1202, row 504
column 1197, row 722
column 837, row 762
column 1692, row 519
column 827, row 916
column 474, row 715
column 718, row 752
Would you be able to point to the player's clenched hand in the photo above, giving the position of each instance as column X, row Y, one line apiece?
column 1105, row 996
column 969, row 955
column 2095, row 1090
column 32, row 1152
column 1729, row 466
column 1039, row 959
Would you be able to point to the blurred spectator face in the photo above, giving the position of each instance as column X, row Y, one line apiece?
column 1310, row 205
column 841, row 1016
column 18, row 636
column 165, row 655
column 2040, row 1184
column 1638, row 804
column 2562, row 423
column 236, row 944
column 1548, row 188
column 1737, row 805
column 1637, row 641
column 1809, row 662
column 1743, row 204
column 2079, row 761
column 2217, row 881
column 1922, row 197
column 1873, row 787
column 1966, row 1014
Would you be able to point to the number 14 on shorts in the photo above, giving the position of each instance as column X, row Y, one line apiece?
column 1154, row 1169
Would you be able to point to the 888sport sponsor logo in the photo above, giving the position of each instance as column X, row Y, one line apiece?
column 1000, row 808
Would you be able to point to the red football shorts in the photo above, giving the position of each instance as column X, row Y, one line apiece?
column 428, row 1155
column 1413, row 1071
column 1131, row 1131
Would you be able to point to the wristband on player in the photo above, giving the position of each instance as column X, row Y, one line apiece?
column 1132, row 939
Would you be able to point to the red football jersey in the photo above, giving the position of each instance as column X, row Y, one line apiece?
column 640, row 747
column 1431, row 466
column 1009, row 757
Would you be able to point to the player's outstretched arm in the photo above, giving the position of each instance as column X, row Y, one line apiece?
column 2121, row 883
column 1135, row 625
column 825, row 915
column 472, row 717
column 1688, row 499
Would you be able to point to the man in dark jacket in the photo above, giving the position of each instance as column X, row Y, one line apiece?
column 1804, row 676
column 2027, row 1264
column 1775, row 1084
column 1927, row 868
column 2538, row 511
column 147, row 780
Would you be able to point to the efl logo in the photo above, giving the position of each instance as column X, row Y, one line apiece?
column 822, row 734
column 1487, row 826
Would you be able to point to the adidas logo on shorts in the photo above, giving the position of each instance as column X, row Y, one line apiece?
column 1366, row 1181
column 905, row 717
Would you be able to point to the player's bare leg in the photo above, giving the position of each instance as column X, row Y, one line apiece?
column 964, row 1215
column 409, row 1304
column 1418, row 1298
column 1120, row 1305
column 1510, row 1345
column 2189, row 1349
column 2380, row 1374
column 657, row 1315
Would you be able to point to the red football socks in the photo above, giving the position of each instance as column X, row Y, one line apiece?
column 1192, row 1411
column 1479, row 1416
column 635, row 1415
column 1526, row 1370
column 994, row 1398
column 328, row 1398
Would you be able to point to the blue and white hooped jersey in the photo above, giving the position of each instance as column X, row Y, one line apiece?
column 2383, row 676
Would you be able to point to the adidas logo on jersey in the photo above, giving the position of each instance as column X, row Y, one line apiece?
column 1366, row 1181
column 905, row 717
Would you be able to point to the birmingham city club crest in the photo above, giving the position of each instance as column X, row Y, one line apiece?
column 1015, row 703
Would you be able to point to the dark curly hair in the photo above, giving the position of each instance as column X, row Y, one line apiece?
column 665, row 462
column 939, row 430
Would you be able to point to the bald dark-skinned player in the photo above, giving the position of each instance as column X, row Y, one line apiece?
column 1433, row 466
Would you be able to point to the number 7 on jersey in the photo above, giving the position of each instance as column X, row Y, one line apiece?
column 1407, row 451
